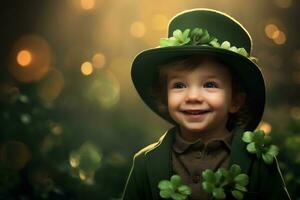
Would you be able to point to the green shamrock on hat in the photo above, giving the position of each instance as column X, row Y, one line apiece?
column 200, row 37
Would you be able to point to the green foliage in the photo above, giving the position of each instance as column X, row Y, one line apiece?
column 174, row 189
column 200, row 36
column 178, row 39
column 260, row 144
column 215, row 183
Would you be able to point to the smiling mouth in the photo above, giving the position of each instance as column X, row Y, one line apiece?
column 195, row 112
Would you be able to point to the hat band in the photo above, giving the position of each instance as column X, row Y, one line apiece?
column 201, row 37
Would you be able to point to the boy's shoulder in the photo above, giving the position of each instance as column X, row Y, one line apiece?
column 144, row 151
column 164, row 139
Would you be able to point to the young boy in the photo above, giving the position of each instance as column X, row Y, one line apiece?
column 212, row 92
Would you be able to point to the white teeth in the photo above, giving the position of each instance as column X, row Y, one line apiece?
column 195, row 112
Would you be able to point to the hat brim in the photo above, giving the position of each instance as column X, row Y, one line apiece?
column 144, row 75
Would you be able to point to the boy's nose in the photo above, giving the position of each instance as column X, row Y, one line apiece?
column 194, row 95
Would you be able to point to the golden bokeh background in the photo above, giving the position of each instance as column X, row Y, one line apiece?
column 71, row 119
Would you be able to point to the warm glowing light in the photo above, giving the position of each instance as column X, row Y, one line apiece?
column 74, row 159
column 295, row 112
column 36, row 62
column 87, row 68
column 87, row 176
column 271, row 31
column 98, row 60
column 82, row 175
column 137, row 29
column 159, row 22
column 266, row 127
column 280, row 39
column 87, row 4
column 24, row 58
column 74, row 162
column 283, row 3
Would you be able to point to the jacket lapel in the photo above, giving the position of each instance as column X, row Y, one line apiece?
column 156, row 159
column 239, row 154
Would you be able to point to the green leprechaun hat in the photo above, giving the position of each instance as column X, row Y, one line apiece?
column 203, row 32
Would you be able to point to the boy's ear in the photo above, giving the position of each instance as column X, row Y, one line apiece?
column 237, row 101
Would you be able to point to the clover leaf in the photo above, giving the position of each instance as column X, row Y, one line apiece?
column 225, row 180
column 214, row 42
column 174, row 189
column 196, row 35
column 178, row 38
column 201, row 37
column 225, row 45
column 260, row 144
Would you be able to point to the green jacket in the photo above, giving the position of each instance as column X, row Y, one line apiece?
column 153, row 164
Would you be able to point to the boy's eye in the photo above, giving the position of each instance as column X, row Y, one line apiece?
column 178, row 85
column 210, row 84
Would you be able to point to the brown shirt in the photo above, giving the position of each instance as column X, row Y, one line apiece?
column 189, row 159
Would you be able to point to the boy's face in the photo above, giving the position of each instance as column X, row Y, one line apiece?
column 199, row 100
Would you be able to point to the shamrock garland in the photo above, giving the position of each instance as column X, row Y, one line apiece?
column 174, row 189
column 260, row 144
column 200, row 36
column 224, row 180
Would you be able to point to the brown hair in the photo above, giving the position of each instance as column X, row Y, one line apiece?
column 159, row 90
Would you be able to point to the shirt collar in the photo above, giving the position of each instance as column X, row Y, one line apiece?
column 180, row 145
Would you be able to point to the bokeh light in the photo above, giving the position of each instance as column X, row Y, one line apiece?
column 137, row 29
column 23, row 98
column 271, row 31
column 87, row 4
column 265, row 126
column 280, row 38
column 37, row 58
column 86, row 160
column 24, row 58
column 89, row 157
column 74, row 159
column 56, row 128
column 25, row 118
column 105, row 90
column 98, row 60
column 87, row 68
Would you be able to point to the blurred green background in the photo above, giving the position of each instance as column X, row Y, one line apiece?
column 70, row 117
